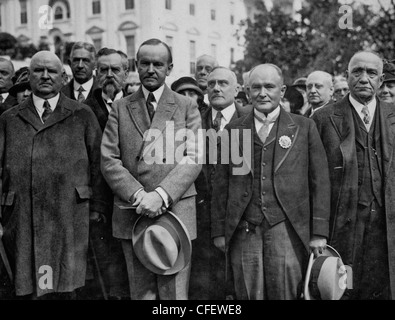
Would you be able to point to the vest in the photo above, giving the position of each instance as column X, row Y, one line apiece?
column 264, row 204
column 369, row 157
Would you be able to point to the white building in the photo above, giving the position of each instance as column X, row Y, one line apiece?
column 189, row 27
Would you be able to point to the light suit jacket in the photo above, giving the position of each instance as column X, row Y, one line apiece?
column 134, row 158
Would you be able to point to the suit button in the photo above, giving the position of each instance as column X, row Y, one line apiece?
column 359, row 182
column 263, row 178
column 348, row 220
column 264, row 149
column 263, row 193
column 137, row 158
column 245, row 194
column 164, row 160
column 264, row 208
column 263, row 164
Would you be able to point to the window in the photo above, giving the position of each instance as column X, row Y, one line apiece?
column 58, row 15
column 192, row 56
column 96, row 7
column 97, row 43
column 169, row 42
column 130, row 46
column 23, row 5
column 214, row 50
column 212, row 14
column 192, row 9
column 168, row 4
column 129, row 4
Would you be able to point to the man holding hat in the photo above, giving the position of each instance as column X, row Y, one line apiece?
column 267, row 218
column 143, row 165
column 387, row 89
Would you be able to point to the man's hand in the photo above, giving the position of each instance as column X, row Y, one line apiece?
column 95, row 216
column 149, row 204
column 317, row 245
column 219, row 242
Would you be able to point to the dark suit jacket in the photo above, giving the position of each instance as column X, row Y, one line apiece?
column 68, row 89
column 203, row 182
column 336, row 128
column 300, row 179
column 8, row 103
column 126, row 156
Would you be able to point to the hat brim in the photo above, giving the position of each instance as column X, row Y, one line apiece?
column 185, row 250
column 19, row 87
column 330, row 252
column 188, row 86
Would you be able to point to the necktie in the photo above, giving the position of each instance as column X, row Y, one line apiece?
column 366, row 115
column 217, row 121
column 47, row 111
column 150, row 106
column 81, row 97
column 264, row 130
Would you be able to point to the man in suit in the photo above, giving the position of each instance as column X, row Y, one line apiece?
column 152, row 182
column 358, row 135
column 112, row 72
column 208, row 263
column 82, row 63
column 51, row 184
column 6, row 73
column 269, row 210
column 204, row 65
column 319, row 86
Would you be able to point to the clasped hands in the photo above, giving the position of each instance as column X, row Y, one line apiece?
column 149, row 204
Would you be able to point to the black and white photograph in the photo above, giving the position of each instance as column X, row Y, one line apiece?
column 197, row 154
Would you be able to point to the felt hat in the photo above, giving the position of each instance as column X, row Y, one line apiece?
column 326, row 276
column 186, row 83
column 389, row 72
column 162, row 244
column 300, row 82
column 21, row 82
column 242, row 95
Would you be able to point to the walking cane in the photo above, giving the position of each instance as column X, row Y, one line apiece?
column 101, row 281
column 3, row 255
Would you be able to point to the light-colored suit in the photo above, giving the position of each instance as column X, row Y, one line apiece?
column 126, row 155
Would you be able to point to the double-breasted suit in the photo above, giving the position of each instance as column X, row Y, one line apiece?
column 50, row 182
column 134, row 157
column 299, row 185
column 337, row 130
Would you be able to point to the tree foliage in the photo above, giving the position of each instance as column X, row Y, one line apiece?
column 317, row 40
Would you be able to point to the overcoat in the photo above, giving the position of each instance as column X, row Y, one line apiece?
column 336, row 127
column 134, row 158
column 50, row 181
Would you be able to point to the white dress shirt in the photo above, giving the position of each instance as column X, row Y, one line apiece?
column 87, row 87
column 39, row 104
column 358, row 107
column 227, row 115
column 271, row 115
column 4, row 95
column 108, row 102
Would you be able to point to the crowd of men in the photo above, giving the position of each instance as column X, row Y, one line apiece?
column 90, row 208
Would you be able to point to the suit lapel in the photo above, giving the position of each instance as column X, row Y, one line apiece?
column 387, row 124
column 248, row 125
column 138, row 112
column 287, row 131
column 62, row 111
column 28, row 112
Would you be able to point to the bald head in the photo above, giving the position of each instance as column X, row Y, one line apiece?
column 46, row 74
column 204, row 65
column 6, row 74
column 319, row 88
column 266, row 87
column 365, row 75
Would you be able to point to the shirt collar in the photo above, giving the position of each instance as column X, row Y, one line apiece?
column 4, row 95
column 118, row 96
column 38, row 102
column 87, row 85
column 358, row 106
column 272, row 115
column 227, row 113
column 157, row 93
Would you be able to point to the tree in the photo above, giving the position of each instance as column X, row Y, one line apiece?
column 318, row 40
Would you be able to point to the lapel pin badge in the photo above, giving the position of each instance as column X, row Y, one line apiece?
column 285, row 142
